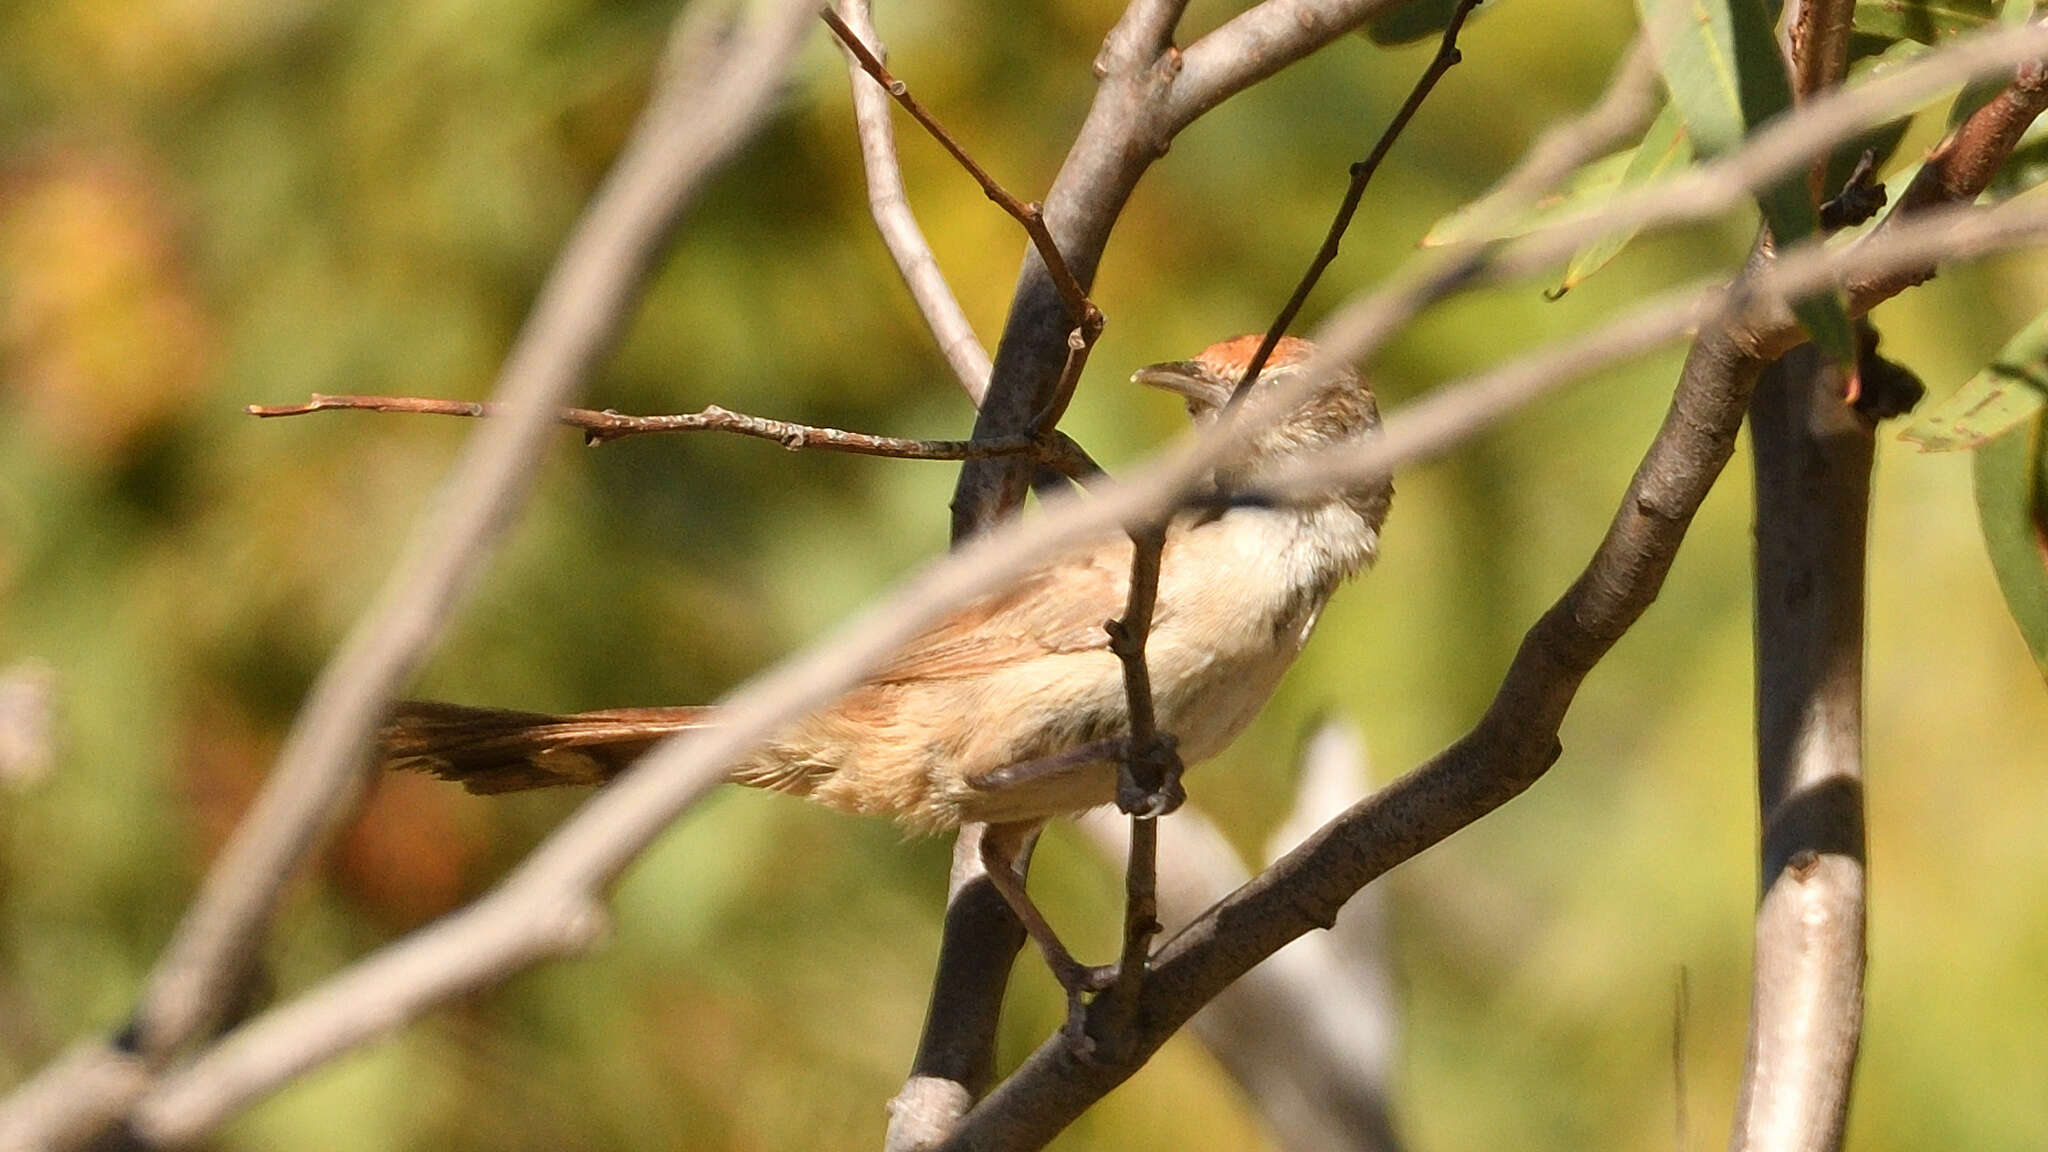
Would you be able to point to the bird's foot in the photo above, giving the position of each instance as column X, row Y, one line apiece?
column 1082, row 982
column 1148, row 779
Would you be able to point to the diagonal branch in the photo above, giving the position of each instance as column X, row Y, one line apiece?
column 1447, row 56
column 890, row 206
column 706, row 101
column 1030, row 215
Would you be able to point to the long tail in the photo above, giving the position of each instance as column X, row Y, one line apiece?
column 496, row 750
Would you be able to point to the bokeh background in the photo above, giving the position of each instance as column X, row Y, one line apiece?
column 207, row 203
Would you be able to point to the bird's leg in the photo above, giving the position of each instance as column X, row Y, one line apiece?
column 1148, row 779
column 1048, row 767
column 999, row 846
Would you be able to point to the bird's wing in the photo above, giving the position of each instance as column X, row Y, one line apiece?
column 1058, row 608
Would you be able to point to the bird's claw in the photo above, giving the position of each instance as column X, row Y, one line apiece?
column 1082, row 982
column 1157, row 761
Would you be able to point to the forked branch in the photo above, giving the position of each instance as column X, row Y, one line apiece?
column 1029, row 214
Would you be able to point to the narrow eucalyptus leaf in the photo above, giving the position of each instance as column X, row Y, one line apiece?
column 2012, row 507
column 2011, row 389
column 1928, row 21
column 1664, row 148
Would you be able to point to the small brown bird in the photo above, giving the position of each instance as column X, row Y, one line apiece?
column 1012, row 710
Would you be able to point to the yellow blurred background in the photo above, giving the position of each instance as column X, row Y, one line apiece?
column 208, row 203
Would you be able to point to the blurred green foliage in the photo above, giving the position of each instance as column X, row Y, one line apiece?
column 214, row 202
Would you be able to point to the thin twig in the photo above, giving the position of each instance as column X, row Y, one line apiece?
column 703, row 106
column 1030, row 215
column 606, row 426
column 894, row 220
column 692, row 122
column 1447, row 56
column 1149, row 762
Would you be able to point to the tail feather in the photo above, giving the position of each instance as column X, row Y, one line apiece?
column 492, row 750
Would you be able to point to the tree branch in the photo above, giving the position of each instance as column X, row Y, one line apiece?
column 1309, row 1034
column 1813, row 457
column 702, row 107
column 955, row 1060
column 1149, row 92
column 604, row 427
column 1029, row 215
column 890, row 207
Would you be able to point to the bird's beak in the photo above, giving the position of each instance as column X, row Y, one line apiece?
column 1186, row 378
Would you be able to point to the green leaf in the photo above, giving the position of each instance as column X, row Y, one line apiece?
column 2012, row 507
column 1487, row 219
column 1883, row 140
column 1721, row 64
column 1695, row 45
column 1927, row 21
column 2012, row 14
column 1664, row 148
column 2011, row 389
column 2027, row 167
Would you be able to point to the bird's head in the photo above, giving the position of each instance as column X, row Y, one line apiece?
column 1341, row 409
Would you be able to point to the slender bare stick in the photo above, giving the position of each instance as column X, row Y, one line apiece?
column 607, row 426
column 1447, row 56
column 1813, row 460
column 1030, row 215
column 890, row 206
column 703, row 106
column 1153, row 770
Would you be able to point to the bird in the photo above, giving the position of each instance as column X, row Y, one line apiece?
column 1012, row 710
